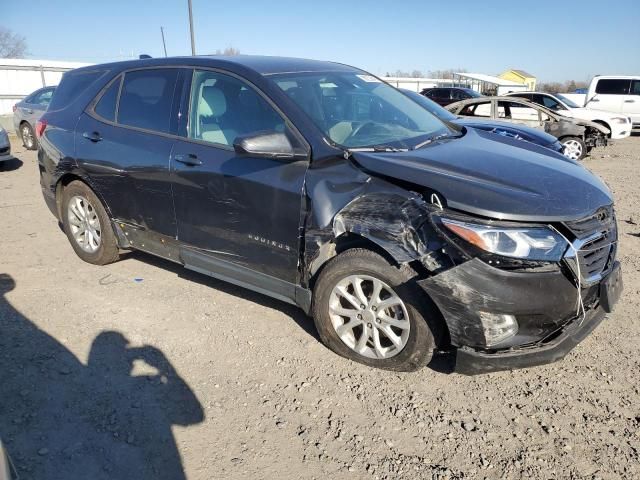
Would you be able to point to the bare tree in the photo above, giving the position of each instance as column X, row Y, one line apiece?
column 446, row 74
column 228, row 51
column 11, row 44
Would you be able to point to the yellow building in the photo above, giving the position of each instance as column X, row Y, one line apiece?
column 520, row 76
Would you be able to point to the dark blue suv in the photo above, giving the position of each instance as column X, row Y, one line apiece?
column 320, row 185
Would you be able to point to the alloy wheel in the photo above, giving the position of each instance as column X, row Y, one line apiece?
column 84, row 224
column 369, row 317
column 27, row 137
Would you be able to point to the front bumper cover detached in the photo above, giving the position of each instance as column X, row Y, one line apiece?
column 544, row 304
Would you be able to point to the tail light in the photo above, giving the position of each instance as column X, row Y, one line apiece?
column 41, row 125
column 15, row 107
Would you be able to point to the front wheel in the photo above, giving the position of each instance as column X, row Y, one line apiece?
column 574, row 148
column 374, row 313
column 87, row 225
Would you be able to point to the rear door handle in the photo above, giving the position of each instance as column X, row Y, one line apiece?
column 190, row 159
column 629, row 101
column 92, row 136
column 28, row 110
column 594, row 100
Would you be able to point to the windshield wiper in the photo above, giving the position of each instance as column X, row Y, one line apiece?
column 433, row 139
column 378, row 148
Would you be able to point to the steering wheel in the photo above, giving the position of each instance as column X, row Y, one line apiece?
column 360, row 127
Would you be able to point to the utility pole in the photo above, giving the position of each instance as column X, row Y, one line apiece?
column 164, row 45
column 193, row 41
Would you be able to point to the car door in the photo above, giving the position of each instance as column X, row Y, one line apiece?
column 609, row 94
column 631, row 102
column 32, row 107
column 236, row 213
column 124, row 141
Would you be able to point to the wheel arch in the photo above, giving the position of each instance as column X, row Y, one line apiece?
column 606, row 125
column 69, row 177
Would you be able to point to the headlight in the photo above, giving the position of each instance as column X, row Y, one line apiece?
column 531, row 243
column 619, row 120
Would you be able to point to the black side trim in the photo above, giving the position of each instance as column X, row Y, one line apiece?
column 245, row 277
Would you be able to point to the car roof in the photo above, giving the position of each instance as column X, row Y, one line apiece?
column 615, row 77
column 470, row 101
column 264, row 65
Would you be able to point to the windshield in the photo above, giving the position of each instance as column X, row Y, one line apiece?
column 567, row 102
column 473, row 93
column 356, row 110
column 430, row 105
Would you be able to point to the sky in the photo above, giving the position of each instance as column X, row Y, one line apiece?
column 554, row 40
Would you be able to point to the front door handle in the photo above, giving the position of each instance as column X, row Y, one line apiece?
column 593, row 100
column 629, row 101
column 92, row 136
column 190, row 159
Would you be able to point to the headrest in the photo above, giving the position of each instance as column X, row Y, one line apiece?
column 212, row 103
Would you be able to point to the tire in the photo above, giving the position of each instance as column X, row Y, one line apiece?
column 574, row 148
column 418, row 343
column 99, row 245
column 29, row 139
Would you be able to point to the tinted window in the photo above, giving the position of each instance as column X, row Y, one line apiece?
column 550, row 103
column 72, row 85
column 613, row 86
column 106, row 106
column 146, row 99
column 459, row 95
column 635, row 87
column 223, row 108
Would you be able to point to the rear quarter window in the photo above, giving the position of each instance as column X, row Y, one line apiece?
column 73, row 84
column 613, row 86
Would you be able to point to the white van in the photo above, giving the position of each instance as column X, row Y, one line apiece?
column 616, row 93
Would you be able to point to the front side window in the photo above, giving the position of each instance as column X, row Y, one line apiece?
column 356, row 110
column 613, row 86
column 146, row 99
column 224, row 108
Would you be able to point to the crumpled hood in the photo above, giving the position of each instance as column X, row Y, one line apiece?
column 587, row 123
column 528, row 133
column 496, row 177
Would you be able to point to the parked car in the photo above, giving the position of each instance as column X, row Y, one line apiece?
column 447, row 95
column 5, row 145
column 618, row 125
column 576, row 136
column 321, row 185
column 5, row 465
column 519, row 132
column 27, row 112
column 616, row 93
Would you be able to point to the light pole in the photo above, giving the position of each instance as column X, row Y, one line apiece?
column 193, row 41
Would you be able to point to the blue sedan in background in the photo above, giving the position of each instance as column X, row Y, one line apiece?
column 520, row 132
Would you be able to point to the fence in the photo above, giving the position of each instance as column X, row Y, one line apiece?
column 20, row 77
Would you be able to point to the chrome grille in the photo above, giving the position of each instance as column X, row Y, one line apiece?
column 595, row 243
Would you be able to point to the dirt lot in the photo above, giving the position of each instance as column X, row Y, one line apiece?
column 143, row 370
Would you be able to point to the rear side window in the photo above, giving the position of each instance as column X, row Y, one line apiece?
column 71, row 86
column 613, row 86
column 146, row 99
column 106, row 106
column 635, row 87
column 43, row 98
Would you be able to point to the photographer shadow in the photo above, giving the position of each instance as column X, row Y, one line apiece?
column 62, row 419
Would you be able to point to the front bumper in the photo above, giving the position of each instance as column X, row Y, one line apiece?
column 5, row 147
column 543, row 303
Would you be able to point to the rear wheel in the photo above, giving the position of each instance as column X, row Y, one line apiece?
column 28, row 137
column 574, row 148
column 87, row 225
column 374, row 313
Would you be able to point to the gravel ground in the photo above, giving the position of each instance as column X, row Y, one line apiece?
column 143, row 370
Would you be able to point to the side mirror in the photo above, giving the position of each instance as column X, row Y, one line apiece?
column 265, row 144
